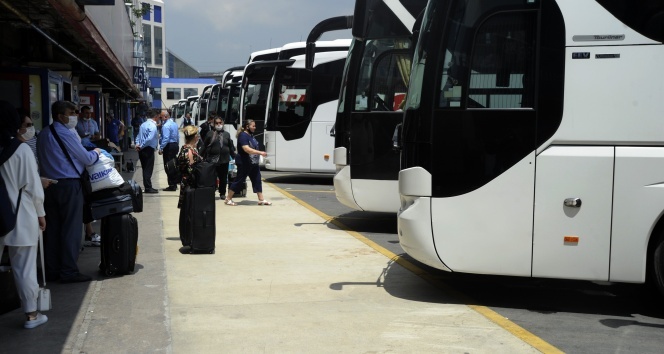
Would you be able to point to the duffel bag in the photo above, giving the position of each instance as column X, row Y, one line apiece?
column 204, row 175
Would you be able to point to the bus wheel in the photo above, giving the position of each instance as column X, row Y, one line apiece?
column 658, row 264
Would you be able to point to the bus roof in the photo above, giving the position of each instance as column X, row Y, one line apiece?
column 321, row 58
column 262, row 54
column 322, row 44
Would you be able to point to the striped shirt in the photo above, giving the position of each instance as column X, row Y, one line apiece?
column 32, row 143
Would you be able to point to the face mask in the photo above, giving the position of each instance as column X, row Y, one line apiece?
column 219, row 127
column 29, row 133
column 72, row 122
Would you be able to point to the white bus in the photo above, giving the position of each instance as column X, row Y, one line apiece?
column 532, row 140
column 374, row 86
column 258, row 77
column 202, row 108
column 254, row 90
column 190, row 106
column 301, row 114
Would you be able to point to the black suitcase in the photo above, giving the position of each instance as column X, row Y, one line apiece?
column 119, row 244
column 120, row 204
column 200, row 230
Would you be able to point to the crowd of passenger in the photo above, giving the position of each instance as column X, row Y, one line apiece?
column 42, row 175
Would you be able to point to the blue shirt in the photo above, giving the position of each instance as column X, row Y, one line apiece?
column 54, row 164
column 113, row 130
column 86, row 128
column 169, row 133
column 245, row 158
column 147, row 135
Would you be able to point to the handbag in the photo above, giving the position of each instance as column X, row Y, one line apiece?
column 85, row 176
column 44, row 295
column 172, row 170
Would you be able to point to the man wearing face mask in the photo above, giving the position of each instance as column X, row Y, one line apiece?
column 64, row 200
column 218, row 148
column 86, row 127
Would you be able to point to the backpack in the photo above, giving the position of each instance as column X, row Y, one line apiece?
column 8, row 215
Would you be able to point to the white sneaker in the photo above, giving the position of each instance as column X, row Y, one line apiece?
column 38, row 321
column 94, row 241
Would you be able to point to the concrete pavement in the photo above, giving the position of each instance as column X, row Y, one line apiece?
column 282, row 280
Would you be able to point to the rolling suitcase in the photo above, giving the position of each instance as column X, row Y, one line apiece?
column 232, row 174
column 200, row 230
column 119, row 244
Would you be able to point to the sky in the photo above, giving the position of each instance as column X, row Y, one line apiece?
column 213, row 35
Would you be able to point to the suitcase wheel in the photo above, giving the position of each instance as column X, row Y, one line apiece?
column 109, row 272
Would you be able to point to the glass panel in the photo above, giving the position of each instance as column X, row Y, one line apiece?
column 147, row 43
column 157, row 14
column 386, row 67
column 500, row 73
column 146, row 11
column 255, row 101
column 293, row 105
column 173, row 93
column 158, row 46
column 157, row 93
column 188, row 91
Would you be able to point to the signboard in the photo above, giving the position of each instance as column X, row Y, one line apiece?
column 139, row 75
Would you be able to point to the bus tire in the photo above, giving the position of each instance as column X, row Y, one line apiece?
column 658, row 264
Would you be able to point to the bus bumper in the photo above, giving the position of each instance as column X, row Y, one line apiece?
column 414, row 217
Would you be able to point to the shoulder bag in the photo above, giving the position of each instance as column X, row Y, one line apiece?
column 85, row 176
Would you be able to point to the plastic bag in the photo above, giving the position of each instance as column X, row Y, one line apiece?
column 103, row 173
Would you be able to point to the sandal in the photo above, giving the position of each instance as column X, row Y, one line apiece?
column 230, row 202
column 264, row 202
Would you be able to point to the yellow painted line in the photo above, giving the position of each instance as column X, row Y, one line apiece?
column 516, row 330
column 304, row 190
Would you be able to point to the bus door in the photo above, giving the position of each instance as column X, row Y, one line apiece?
column 379, row 92
column 481, row 148
column 325, row 86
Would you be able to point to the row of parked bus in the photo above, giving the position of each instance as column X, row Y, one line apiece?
column 512, row 137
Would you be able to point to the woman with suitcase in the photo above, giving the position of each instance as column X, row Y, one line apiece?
column 187, row 158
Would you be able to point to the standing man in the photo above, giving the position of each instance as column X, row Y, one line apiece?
column 146, row 144
column 186, row 120
column 86, row 126
column 64, row 200
column 205, row 128
column 113, row 128
column 169, row 148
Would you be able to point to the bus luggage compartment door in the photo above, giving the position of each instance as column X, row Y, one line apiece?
column 573, row 202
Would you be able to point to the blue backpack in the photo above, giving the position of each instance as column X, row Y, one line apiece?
column 8, row 215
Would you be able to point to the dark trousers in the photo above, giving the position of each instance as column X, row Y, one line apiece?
column 63, row 204
column 146, row 155
column 254, row 173
column 170, row 152
column 222, row 174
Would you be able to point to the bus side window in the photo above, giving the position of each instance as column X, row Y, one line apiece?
column 392, row 72
column 503, row 62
